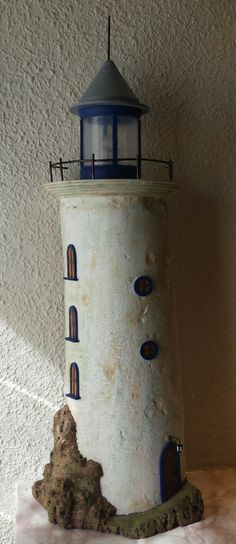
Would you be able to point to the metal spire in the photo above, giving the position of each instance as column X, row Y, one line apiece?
column 108, row 37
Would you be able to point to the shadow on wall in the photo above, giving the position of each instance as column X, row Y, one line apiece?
column 203, row 238
column 205, row 338
column 200, row 139
column 32, row 271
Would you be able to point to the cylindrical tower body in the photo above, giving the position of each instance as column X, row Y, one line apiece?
column 124, row 394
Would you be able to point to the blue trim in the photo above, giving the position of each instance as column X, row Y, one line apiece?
column 72, row 248
column 109, row 171
column 81, row 140
column 139, row 137
column 70, row 279
column 92, row 111
column 169, row 445
column 148, row 288
column 139, row 148
column 153, row 350
column 77, row 395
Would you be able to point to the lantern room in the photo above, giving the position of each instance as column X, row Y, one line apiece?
column 110, row 127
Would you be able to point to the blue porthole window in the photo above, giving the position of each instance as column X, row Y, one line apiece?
column 143, row 286
column 149, row 350
column 73, row 325
column 74, row 382
column 71, row 263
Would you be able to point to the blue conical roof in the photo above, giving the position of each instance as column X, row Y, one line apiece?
column 109, row 88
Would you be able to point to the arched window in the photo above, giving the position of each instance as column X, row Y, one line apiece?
column 170, row 471
column 74, row 382
column 71, row 263
column 73, row 325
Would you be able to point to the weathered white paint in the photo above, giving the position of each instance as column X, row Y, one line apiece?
column 128, row 406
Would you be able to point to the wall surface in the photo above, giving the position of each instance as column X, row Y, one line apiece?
column 179, row 58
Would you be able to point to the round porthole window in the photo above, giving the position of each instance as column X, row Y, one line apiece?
column 149, row 350
column 143, row 286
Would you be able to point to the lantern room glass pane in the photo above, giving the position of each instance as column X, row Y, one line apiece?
column 97, row 137
column 127, row 137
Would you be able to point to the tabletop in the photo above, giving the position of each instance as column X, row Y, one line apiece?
column 218, row 487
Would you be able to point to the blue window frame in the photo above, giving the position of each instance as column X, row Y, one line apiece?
column 149, row 350
column 73, row 325
column 74, row 382
column 143, row 286
column 71, row 263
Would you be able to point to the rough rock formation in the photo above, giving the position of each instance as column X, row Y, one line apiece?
column 70, row 490
column 71, row 493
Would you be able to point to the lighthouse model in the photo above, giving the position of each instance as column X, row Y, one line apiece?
column 122, row 385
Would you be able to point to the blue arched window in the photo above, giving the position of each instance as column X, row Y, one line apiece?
column 71, row 263
column 73, row 325
column 170, row 471
column 74, row 382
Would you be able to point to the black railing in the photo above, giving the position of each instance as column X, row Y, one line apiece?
column 63, row 165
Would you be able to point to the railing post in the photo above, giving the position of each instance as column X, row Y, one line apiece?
column 61, row 169
column 50, row 168
column 171, row 168
column 93, row 166
column 138, row 166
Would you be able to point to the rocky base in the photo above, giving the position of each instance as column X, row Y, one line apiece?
column 71, row 493
column 184, row 508
column 70, row 490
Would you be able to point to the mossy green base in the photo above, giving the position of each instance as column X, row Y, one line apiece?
column 71, row 493
column 184, row 508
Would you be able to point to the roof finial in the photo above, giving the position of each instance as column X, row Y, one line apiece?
column 109, row 37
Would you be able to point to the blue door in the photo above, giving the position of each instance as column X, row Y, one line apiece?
column 170, row 472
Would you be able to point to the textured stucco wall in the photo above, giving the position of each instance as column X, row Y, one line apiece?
column 179, row 57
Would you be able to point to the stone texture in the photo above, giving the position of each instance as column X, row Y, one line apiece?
column 70, row 491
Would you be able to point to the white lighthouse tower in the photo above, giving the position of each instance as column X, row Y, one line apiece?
column 121, row 380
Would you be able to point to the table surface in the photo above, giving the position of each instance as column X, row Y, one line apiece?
column 218, row 527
